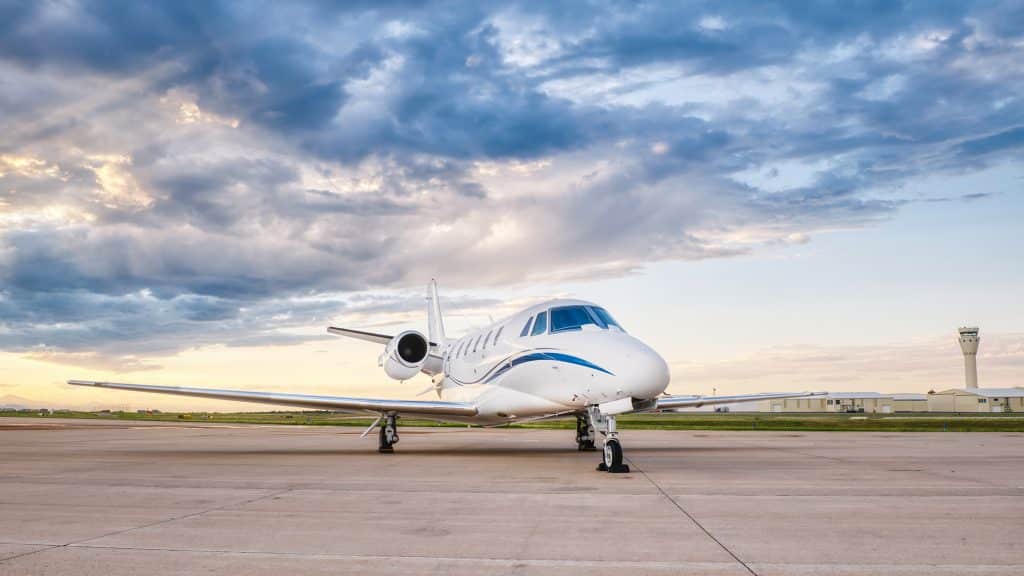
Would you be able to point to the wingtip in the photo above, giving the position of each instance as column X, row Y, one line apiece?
column 81, row 382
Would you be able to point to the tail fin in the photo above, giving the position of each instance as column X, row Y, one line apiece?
column 435, row 325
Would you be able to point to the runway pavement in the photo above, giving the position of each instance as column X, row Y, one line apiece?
column 112, row 498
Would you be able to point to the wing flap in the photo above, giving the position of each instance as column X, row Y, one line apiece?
column 431, row 408
column 669, row 402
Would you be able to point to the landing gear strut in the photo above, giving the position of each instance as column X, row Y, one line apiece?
column 585, row 434
column 612, row 458
column 388, row 433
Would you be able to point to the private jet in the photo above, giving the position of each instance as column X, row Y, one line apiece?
column 559, row 358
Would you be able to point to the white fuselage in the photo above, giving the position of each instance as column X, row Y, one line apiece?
column 514, row 370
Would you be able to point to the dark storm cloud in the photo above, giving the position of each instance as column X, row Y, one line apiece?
column 105, row 36
column 185, row 173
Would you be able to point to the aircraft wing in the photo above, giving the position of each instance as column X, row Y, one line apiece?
column 410, row 407
column 364, row 335
column 361, row 335
column 669, row 402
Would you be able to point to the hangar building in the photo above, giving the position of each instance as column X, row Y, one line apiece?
column 977, row 400
column 867, row 402
column 909, row 402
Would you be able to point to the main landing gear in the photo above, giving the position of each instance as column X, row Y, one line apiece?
column 585, row 434
column 612, row 460
column 388, row 433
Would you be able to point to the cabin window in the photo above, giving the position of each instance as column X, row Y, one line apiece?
column 526, row 328
column 541, row 325
column 605, row 317
column 566, row 318
column 497, row 335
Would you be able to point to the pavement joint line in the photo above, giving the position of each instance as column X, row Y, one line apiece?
column 527, row 561
column 30, row 552
column 1009, row 491
column 456, row 559
column 690, row 516
column 80, row 543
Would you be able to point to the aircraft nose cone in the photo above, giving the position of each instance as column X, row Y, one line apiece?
column 650, row 374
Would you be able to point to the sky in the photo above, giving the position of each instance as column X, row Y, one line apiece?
column 776, row 196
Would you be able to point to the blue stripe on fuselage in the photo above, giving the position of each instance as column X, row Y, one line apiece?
column 554, row 356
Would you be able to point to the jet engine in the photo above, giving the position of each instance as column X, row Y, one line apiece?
column 405, row 355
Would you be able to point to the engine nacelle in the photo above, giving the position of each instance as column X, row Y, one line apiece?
column 405, row 355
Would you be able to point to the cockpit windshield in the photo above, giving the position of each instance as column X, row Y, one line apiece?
column 570, row 318
column 565, row 318
column 605, row 318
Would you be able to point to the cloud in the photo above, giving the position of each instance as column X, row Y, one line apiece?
column 1007, row 139
column 176, row 175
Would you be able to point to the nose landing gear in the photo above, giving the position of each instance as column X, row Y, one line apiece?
column 388, row 434
column 612, row 457
column 585, row 434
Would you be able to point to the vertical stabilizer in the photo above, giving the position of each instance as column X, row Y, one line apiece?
column 435, row 325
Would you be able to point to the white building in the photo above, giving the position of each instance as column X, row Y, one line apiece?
column 848, row 402
column 977, row 400
column 909, row 402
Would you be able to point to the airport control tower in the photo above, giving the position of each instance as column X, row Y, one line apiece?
column 969, row 344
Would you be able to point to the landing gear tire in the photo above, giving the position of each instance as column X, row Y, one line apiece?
column 388, row 434
column 613, row 458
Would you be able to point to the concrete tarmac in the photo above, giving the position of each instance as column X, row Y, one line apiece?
column 113, row 498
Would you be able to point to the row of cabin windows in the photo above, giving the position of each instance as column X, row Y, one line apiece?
column 567, row 318
column 464, row 347
column 563, row 319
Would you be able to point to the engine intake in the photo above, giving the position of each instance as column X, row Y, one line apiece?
column 405, row 355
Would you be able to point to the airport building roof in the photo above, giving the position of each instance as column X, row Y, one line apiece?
column 988, row 392
column 852, row 395
column 866, row 395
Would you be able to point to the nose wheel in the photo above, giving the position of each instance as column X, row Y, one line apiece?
column 612, row 453
column 388, row 434
column 612, row 458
